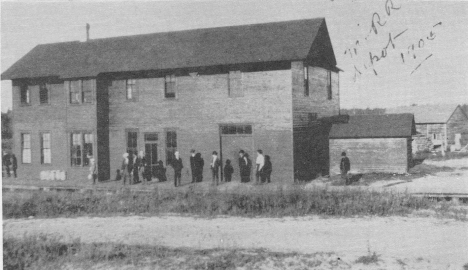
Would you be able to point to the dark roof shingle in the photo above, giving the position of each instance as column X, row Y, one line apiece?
column 375, row 126
column 279, row 41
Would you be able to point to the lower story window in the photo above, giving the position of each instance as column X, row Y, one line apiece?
column 81, row 148
column 45, row 148
column 171, row 146
column 132, row 142
column 26, row 148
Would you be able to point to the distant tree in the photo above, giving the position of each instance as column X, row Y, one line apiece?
column 7, row 131
column 464, row 108
column 356, row 111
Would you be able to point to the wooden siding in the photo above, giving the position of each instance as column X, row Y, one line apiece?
column 388, row 155
column 458, row 123
column 201, row 104
column 317, row 101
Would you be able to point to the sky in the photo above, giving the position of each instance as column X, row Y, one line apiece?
column 392, row 52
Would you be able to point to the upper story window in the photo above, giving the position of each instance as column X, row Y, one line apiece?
column 25, row 94
column 131, row 90
column 170, row 86
column 329, row 84
column 43, row 94
column 306, row 81
column 235, row 84
column 81, row 91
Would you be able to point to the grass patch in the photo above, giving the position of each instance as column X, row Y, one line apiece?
column 280, row 202
column 371, row 258
column 50, row 252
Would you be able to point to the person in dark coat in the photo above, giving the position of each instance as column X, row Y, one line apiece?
column 244, row 166
column 193, row 166
column 199, row 164
column 160, row 171
column 137, row 164
column 14, row 164
column 178, row 166
column 215, row 165
column 7, row 163
column 345, row 167
column 228, row 171
column 146, row 169
column 267, row 169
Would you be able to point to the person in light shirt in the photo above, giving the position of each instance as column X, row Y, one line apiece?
column 260, row 163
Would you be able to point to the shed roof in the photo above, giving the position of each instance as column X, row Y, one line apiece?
column 267, row 42
column 439, row 113
column 375, row 126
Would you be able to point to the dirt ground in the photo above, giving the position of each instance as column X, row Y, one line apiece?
column 442, row 244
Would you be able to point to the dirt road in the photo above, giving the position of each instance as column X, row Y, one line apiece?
column 442, row 243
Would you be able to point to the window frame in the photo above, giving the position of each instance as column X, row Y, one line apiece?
column 25, row 100
column 46, row 87
column 82, row 91
column 83, row 157
column 306, row 81
column 236, row 129
column 170, row 149
column 127, row 148
column 170, row 80
column 329, row 85
column 42, row 148
column 133, row 83
column 23, row 148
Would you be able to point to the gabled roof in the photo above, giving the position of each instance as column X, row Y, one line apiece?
column 268, row 42
column 439, row 113
column 375, row 126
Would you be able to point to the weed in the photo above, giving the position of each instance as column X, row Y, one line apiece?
column 294, row 201
column 369, row 258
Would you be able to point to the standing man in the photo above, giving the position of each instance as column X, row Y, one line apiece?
column 345, row 167
column 260, row 162
column 93, row 169
column 14, row 164
column 193, row 165
column 244, row 167
column 177, row 165
column 215, row 165
column 199, row 164
column 7, row 163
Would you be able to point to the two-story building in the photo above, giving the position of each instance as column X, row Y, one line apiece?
column 219, row 89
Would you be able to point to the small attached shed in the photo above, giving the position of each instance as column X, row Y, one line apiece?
column 373, row 143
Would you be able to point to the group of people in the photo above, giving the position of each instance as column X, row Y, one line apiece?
column 263, row 168
column 136, row 168
column 10, row 163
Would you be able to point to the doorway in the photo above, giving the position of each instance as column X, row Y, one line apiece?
column 233, row 139
column 151, row 150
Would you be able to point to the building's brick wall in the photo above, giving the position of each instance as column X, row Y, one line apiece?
column 59, row 118
column 201, row 104
column 458, row 123
column 388, row 155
